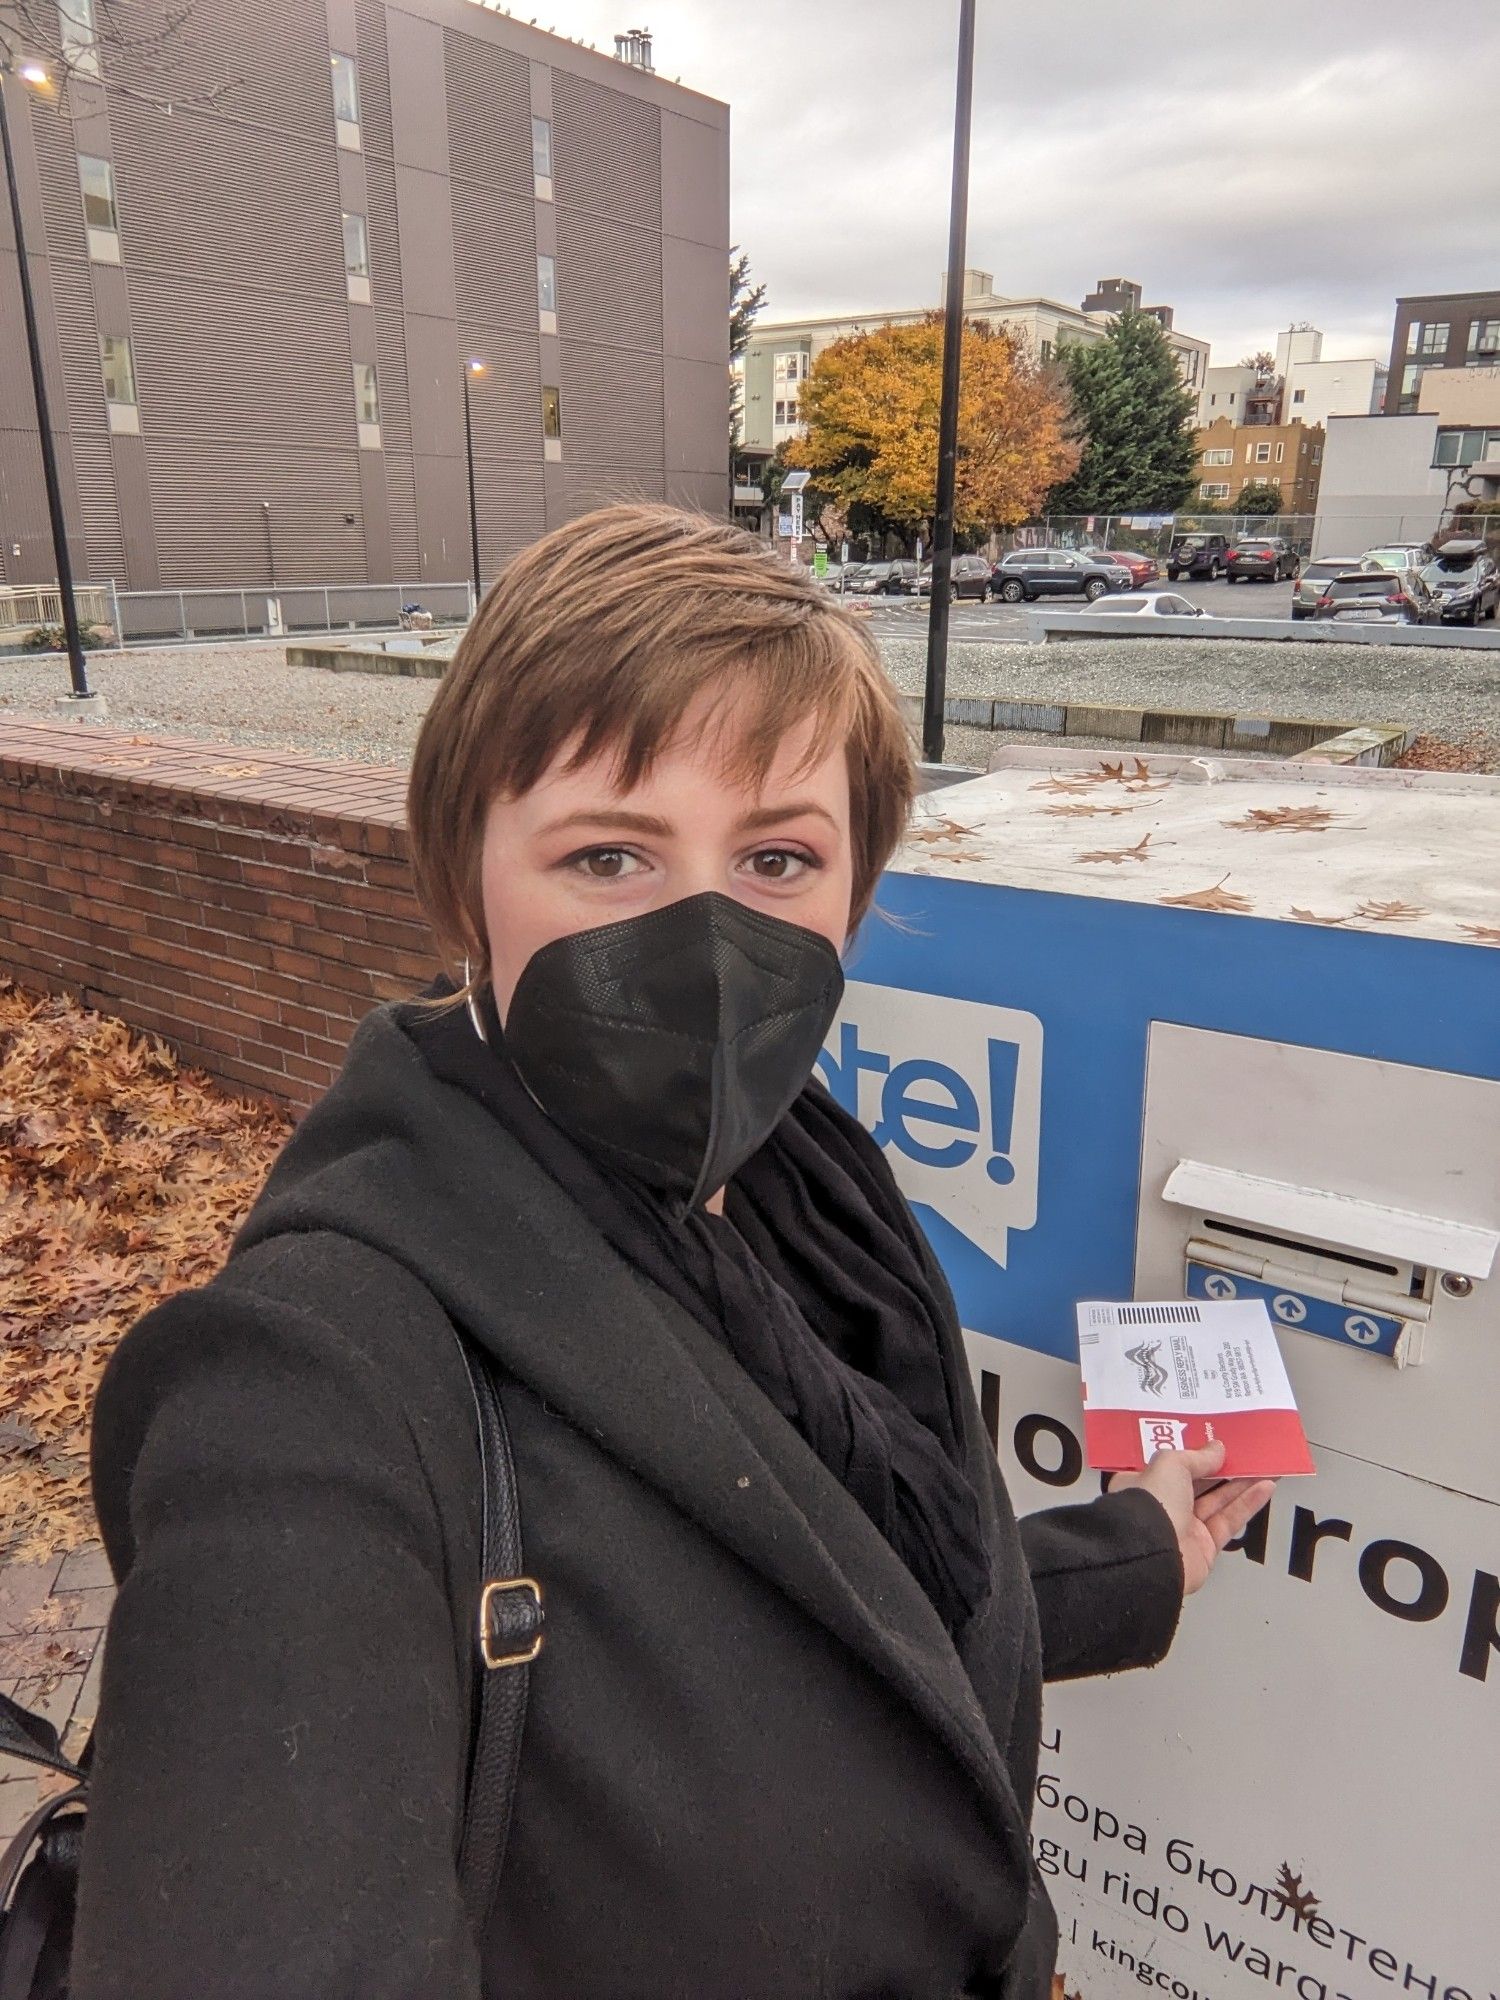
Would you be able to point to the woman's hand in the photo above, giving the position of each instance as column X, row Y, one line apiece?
column 1205, row 1514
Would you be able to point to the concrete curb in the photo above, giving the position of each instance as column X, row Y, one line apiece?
column 367, row 660
column 1043, row 627
column 1174, row 728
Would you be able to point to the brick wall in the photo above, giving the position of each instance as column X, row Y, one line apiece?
column 249, row 906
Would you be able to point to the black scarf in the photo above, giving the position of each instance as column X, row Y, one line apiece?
column 813, row 1278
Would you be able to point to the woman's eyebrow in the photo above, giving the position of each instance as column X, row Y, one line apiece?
column 764, row 816
column 612, row 820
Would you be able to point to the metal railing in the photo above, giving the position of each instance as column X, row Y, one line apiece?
column 155, row 617
column 23, row 607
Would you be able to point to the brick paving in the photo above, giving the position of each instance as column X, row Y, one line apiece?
column 52, row 1619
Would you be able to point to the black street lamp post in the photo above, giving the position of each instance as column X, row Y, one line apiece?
column 953, row 327
column 472, row 367
column 74, row 637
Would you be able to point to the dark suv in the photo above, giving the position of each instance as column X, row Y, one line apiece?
column 1032, row 573
column 1464, row 579
column 1264, row 556
column 1198, row 555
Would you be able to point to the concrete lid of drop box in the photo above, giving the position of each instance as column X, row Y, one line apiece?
column 1411, row 852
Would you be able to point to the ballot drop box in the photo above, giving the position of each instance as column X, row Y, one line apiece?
column 1187, row 1028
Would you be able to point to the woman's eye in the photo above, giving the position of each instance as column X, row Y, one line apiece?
column 606, row 864
column 779, row 864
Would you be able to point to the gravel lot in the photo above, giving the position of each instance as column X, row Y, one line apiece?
column 247, row 694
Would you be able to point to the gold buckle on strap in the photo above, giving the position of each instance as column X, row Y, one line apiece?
column 534, row 1645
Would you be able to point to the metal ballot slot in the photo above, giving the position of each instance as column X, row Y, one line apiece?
column 1361, row 1201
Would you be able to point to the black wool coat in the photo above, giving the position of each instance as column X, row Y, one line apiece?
column 755, row 1766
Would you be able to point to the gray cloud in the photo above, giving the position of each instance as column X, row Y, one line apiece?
column 1250, row 165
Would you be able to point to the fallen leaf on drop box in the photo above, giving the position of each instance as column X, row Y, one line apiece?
column 1486, row 933
column 1301, row 1902
column 1118, row 854
column 1285, row 819
column 1312, row 917
column 1390, row 913
column 1215, row 898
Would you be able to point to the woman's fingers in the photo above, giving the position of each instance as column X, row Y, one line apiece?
column 1225, row 1520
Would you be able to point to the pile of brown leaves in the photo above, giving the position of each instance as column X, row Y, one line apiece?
column 1478, row 751
column 123, row 1177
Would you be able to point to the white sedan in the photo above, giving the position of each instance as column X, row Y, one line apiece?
column 1147, row 604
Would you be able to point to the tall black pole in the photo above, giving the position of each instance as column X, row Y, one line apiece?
column 71, row 632
column 953, row 330
column 473, row 497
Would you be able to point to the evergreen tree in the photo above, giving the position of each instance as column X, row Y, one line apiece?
column 1133, row 417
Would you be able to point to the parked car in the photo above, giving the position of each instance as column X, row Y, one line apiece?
column 901, row 579
column 1143, row 569
column 1393, row 596
column 868, row 578
column 1464, row 579
column 1398, row 555
column 1151, row 604
column 1263, row 557
column 1315, row 578
column 970, row 577
column 1197, row 555
column 1029, row 573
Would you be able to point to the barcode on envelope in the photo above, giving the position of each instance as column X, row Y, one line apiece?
column 1158, row 1315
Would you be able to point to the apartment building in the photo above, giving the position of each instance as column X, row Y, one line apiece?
column 259, row 310
column 1435, row 332
column 1233, row 456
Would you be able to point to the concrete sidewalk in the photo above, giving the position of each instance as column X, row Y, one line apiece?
column 52, row 1619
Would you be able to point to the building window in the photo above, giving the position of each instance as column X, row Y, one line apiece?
column 551, row 423
column 1280, row 453
column 1046, row 350
column 1231, row 399
column 780, row 416
column 97, row 181
column 346, row 101
column 546, row 285
column 1214, row 489
column 367, row 405
column 1484, row 343
column 118, row 367
column 1299, row 395
column 357, row 258
column 1262, row 454
column 78, row 38
column 1434, row 340
column 1411, row 387
column 1463, row 447
column 541, row 157
column 1317, row 458
column 1220, row 455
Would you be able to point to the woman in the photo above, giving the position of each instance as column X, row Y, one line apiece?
column 783, row 1736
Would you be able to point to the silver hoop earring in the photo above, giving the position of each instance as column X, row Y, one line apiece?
column 473, row 1010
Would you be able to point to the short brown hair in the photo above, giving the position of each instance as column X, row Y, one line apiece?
column 599, row 636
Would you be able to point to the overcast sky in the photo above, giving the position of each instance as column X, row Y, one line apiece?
column 1250, row 164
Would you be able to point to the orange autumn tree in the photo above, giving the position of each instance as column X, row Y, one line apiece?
column 871, row 403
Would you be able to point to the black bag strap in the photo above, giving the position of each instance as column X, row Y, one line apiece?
column 509, row 1636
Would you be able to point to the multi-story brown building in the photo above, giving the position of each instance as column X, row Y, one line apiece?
column 258, row 307
column 1439, row 330
column 1287, row 456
